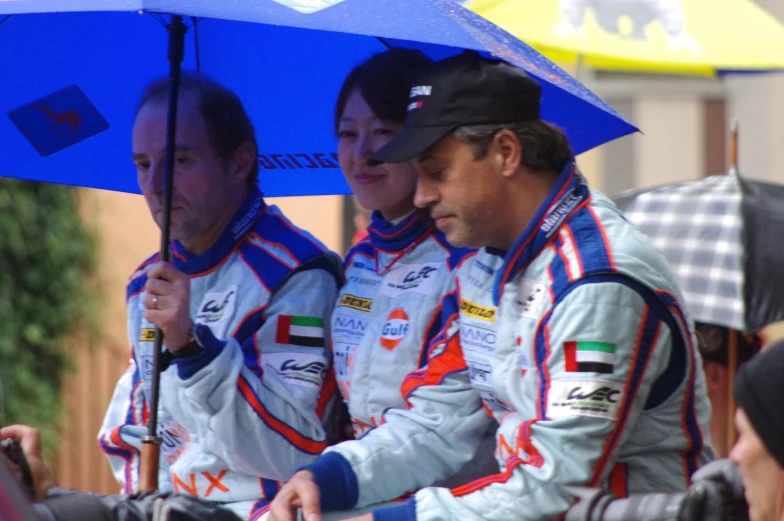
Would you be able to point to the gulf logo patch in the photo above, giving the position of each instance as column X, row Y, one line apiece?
column 395, row 329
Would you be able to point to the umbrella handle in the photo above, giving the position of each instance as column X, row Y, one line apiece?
column 734, row 146
column 148, row 470
column 151, row 457
column 732, row 368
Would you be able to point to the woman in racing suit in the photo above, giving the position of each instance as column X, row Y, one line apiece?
column 388, row 310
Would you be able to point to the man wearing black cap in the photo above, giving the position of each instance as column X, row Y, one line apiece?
column 759, row 451
column 566, row 328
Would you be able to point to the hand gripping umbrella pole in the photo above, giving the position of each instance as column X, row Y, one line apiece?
column 151, row 443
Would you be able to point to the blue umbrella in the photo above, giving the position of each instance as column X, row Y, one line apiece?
column 72, row 71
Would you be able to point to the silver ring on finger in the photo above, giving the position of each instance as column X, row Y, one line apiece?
column 155, row 302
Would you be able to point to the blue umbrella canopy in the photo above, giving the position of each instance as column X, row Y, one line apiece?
column 72, row 72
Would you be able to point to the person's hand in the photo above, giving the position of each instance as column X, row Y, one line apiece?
column 300, row 492
column 167, row 297
column 30, row 441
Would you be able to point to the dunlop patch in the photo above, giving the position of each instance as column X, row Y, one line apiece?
column 477, row 311
column 361, row 304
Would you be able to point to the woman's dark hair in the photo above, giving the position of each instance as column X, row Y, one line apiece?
column 384, row 81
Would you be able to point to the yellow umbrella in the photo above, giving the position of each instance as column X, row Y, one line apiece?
column 695, row 37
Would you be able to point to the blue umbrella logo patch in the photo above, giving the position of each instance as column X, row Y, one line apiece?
column 58, row 120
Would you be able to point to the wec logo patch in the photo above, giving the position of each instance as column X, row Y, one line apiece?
column 303, row 370
column 413, row 277
column 216, row 309
column 596, row 398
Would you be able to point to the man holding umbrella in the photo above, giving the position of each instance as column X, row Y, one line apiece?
column 566, row 327
column 247, row 398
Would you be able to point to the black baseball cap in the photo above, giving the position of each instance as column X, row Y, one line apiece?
column 465, row 89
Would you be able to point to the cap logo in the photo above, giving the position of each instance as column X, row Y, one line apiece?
column 421, row 90
column 415, row 105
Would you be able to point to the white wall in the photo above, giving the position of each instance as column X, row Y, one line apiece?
column 671, row 148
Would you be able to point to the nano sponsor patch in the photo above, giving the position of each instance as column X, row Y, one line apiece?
column 411, row 277
column 298, row 369
column 354, row 302
column 477, row 338
column 477, row 311
column 395, row 329
column 596, row 398
column 216, row 309
column 348, row 327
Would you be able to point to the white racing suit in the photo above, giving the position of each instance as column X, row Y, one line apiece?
column 388, row 312
column 257, row 403
column 575, row 342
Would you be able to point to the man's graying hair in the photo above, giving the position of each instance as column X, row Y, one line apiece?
column 227, row 122
column 545, row 146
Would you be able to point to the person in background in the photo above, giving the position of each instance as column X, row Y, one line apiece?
column 759, row 451
column 714, row 348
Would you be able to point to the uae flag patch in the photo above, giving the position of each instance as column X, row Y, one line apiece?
column 300, row 331
column 589, row 357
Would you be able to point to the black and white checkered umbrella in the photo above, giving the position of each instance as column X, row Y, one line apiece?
column 723, row 235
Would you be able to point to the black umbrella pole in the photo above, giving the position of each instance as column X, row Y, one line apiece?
column 151, row 443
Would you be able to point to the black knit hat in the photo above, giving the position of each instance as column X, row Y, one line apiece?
column 759, row 392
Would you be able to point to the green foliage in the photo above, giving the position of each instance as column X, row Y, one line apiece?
column 47, row 257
